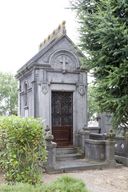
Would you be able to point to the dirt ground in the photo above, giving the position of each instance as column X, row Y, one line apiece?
column 107, row 180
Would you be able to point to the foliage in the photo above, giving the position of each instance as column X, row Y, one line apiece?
column 21, row 148
column 104, row 36
column 8, row 94
column 67, row 184
column 62, row 184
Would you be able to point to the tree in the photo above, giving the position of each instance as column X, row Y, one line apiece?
column 104, row 36
column 8, row 94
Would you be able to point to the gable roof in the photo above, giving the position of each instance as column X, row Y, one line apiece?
column 52, row 39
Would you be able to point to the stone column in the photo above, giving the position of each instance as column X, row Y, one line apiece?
column 110, row 152
column 84, row 135
column 51, row 150
column 110, row 148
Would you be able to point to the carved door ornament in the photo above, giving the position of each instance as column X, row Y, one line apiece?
column 44, row 88
column 81, row 90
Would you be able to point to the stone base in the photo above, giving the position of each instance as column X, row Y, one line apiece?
column 123, row 160
column 95, row 149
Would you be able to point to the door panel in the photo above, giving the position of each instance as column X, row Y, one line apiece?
column 62, row 118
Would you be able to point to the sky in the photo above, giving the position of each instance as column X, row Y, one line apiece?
column 24, row 24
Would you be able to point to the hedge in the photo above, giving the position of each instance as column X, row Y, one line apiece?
column 22, row 147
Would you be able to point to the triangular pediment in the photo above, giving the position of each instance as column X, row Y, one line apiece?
column 63, row 50
column 59, row 52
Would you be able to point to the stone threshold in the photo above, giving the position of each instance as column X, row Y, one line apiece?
column 79, row 165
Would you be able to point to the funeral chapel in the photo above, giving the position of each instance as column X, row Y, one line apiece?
column 53, row 86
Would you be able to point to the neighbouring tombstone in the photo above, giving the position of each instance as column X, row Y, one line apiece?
column 105, row 122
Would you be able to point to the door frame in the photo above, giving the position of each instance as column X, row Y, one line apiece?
column 62, row 127
column 64, row 88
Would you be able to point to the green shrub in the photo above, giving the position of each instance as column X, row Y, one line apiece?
column 22, row 146
column 62, row 184
column 66, row 184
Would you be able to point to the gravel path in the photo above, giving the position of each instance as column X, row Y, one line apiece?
column 108, row 180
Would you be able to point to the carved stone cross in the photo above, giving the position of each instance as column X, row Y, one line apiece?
column 64, row 61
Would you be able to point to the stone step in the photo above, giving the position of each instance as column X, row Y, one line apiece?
column 70, row 153
column 64, row 157
column 69, row 150
column 80, row 164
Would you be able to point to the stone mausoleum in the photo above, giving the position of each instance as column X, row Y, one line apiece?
column 53, row 86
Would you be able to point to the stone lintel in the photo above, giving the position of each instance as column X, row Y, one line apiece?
column 66, row 83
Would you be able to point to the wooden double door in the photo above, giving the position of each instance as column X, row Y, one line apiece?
column 62, row 118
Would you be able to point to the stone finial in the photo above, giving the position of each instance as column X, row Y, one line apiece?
column 111, row 135
column 48, row 135
column 85, row 127
column 47, row 129
column 61, row 30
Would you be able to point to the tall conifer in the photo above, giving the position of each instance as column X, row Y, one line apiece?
column 104, row 36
